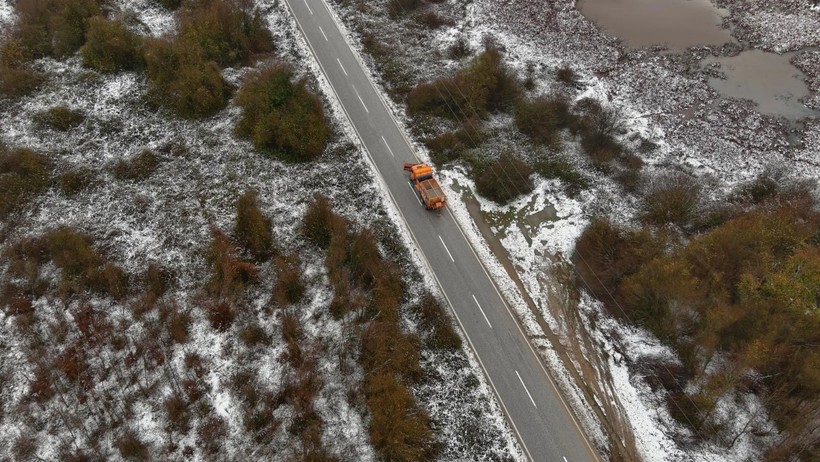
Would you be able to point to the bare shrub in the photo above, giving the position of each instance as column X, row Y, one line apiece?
column 319, row 221
column 178, row 325
column 566, row 75
column 229, row 274
column 221, row 316
column 132, row 448
column 23, row 174
column 60, row 118
column 541, row 119
column 24, row 448
column 76, row 180
column 178, row 415
column 253, row 335
column 396, row 8
column 138, row 168
column 459, row 49
column 211, row 433
column 433, row 20
column 672, row 198
column 253, row 230
column 433, row 318
column 289, row 287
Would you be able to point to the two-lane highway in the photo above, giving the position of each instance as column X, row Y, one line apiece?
column 540, row 418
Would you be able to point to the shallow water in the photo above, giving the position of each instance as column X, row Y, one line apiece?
column 678, row 24
column 767, row 79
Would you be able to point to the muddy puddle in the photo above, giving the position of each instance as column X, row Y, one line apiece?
column 529, row 219
column 767, row 79
column 677, row 24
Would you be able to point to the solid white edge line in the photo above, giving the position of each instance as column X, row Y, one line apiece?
column 410, row 231
column 323, row 33
column 360, row 99
column 343, row 68
column 525, row 388
column 482, row 312
column 445, row 248
column 540, row 362
column 415, row 194
column 388, row 147
column 308, row 6
column 565, row 458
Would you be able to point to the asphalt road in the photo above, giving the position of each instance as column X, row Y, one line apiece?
column 535, row 408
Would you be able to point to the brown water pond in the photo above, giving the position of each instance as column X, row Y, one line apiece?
column 767, row 79
column 677, row 24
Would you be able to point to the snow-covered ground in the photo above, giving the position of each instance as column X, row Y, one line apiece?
column 167, row 219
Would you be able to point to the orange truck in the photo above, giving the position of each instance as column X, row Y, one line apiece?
column 427, row 187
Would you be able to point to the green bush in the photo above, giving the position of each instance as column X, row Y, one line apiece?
column 139, row 168
column 450, row 146
column 252, row 229
column 181, row 79
column 23, row 174
column 281, row 116
column 110, row 46
column 541, row 119
column 228, row 31
column 60, row 118
column 54, row 28
column 503, row 179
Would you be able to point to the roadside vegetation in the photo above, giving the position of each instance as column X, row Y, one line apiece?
column 741, row 292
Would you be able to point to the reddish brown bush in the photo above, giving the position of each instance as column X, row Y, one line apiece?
column 131, row 447
column 178, row 325
column 139, row 168
column 73, row 181
column 320, row 222
column 433, row 318
column 289, row 288
column 221, row 316
column 252, row 229
column 211, row 433
column 253, row 335
column 229, row 275
column 110, row 46
column 178, row 415
column 41, row 389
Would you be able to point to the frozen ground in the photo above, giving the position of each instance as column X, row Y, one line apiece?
column 167, row 219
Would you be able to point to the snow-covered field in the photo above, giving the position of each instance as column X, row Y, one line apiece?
column 167, row 219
